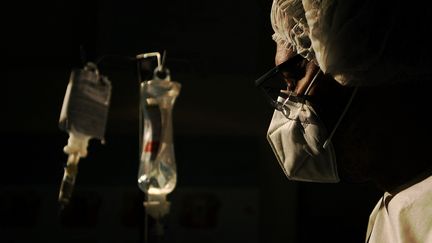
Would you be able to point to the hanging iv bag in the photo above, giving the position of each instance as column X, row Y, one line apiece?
column 157, row 175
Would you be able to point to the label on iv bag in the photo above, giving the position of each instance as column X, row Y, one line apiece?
column 86, row 104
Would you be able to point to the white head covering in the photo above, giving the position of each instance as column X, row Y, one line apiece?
column 359, row 43
column 290, row 26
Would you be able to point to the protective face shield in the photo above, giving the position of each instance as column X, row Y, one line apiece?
column 299, row 138
column 357, row 43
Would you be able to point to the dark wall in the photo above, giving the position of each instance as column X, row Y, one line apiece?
column 230, row 187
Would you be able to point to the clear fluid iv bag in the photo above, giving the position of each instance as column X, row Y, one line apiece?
column 157, row 174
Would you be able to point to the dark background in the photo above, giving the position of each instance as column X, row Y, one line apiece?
column 230, row 186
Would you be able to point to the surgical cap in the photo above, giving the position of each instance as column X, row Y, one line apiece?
column 360, row 43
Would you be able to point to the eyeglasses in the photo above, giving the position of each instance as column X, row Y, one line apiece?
column 273, row 84
column 331, row 100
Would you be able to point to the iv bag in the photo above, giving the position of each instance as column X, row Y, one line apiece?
column 157, row 174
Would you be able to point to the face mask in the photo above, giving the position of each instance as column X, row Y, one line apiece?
column 297, row 138
column 301, row 142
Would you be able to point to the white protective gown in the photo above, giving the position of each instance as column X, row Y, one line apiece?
column 405, row 217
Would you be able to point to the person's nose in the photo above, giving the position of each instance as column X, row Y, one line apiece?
column 300, row 73
column 310, row 70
